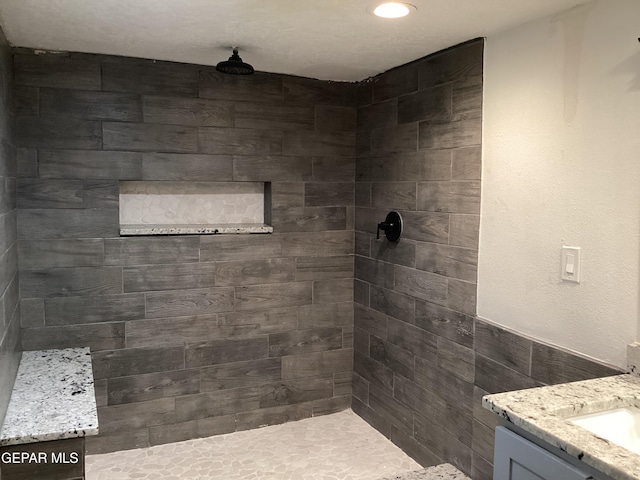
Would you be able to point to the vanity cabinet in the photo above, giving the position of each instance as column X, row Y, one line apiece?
column 516, row 458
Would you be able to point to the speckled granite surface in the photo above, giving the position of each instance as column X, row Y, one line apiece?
column 543, row 412
column 445, row 471
column 52, row 399
column 129, row 230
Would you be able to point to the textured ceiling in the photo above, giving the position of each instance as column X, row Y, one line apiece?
column 326, row 39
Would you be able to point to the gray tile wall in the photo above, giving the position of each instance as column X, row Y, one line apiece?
column 9, row 292
column 422, row 359
column 190, row 335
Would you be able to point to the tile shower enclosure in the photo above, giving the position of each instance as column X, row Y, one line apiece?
column 199, row 335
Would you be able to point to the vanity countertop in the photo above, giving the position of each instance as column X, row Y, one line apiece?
column 543, row 412
column 52, row 399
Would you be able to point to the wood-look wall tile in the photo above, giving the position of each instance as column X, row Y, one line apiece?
column 26, row 100
column 319, row 268
column 217, row 403
column 397, row 253
column 379, row 273
column 370, row 321
column 239, row 247
column 216, row 352
column 552, row 366
column 259, row 87
column 8, row 267
column 383, row 114
column 446, row 323
column 414, row 449
column 37, row 193
column 400, row 361
column 361, row 292
column 395, row 82
column 466, row 96
column 308, row 219
column 27, row 162
column 256, row 297
column 464, row 131
column 298, row 390
column 453, row 390
column 273, row 320
column 115, row 442
column 431, row 104
column 363, row 247
column 187, row 167
column 136, row 361
column 56, row 71
column 93, row 309
column 287, row 194
column 458, row 64
column 299, row 342
column 325, row 315
column 465, row 230
column 413, row 339
column 167, row 79
column 317, row 364
column 328, row 194
column 99, row 336
column 32, row 312
column 82, row 105
column 240, row 374
column 144, row 251
column 450, row 197
column 374, row 372
column 481, row 468
column 339, row 144
column 377, row 421
column 201, row 428
column 435, row 165
column 176, row 331
column 35, row 132
column 235, row 141
column 455, row 358
column 251, row 272
column 392, row 303
column 419, row 284
column 456, row 262
column 363, row 194
column 442, row 443
column 505, row 347
column 151, row 386
column 466, row 163
column 426, row 226
column 272, row 416
column 333, row 291
column 318, row 92
column 195, row 112
column 461, row 296
column 331, row 118
column 394, row 195
column 364, row 93
column 318, row 243
column 67, row 223
column 59, row 282
column 493, row 377
column 132, row 416
column 197, row 301
column 166, row 277
column 100, row 193
column 149, row 137
column 39, row 254
column 419, row 399
column 90, row 164
column 274, row 116
column 397, row 139
column 333, row 169
column 272, row 168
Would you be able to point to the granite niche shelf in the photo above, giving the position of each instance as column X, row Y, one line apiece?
column 233, row 228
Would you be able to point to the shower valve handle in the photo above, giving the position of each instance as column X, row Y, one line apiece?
column 392, row 227
column 384, row 226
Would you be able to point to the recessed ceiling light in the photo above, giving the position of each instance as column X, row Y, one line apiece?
column 393, row 10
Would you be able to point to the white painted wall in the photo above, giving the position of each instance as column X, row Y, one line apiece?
column 561, row 166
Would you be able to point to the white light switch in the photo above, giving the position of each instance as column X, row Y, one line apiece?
column 570, row 264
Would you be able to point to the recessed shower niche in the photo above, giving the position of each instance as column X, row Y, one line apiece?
column 183, row 208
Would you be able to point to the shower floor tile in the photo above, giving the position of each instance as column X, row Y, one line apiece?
column 338, row 446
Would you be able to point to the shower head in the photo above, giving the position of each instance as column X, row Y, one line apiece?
column 235, row 65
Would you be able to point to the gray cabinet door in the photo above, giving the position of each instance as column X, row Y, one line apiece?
column 518, row 459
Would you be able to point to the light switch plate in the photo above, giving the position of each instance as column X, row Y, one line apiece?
column 570, row 265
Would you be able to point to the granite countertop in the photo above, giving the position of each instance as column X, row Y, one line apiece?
column 52, row 399
column 445, row 471
column 543, row 412
column 128, row 230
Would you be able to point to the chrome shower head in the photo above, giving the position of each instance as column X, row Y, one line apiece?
column 235, row 65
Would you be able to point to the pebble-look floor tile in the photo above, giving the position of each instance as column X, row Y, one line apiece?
column 340, row 446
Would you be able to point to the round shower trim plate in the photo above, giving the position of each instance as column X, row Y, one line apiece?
column 392, row 9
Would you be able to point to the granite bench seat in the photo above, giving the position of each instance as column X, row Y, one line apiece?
column 52, row 409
